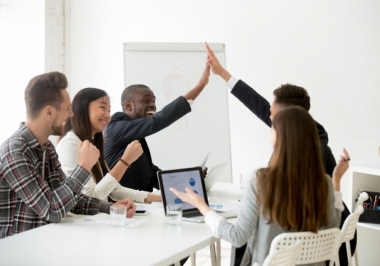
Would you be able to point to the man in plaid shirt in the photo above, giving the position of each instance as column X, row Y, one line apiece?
column 33, row 189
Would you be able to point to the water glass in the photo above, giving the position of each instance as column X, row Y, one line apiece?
column 118, row 215
column 174, row 214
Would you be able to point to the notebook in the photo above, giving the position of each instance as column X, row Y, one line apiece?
column 214, row 174
column 180, row 179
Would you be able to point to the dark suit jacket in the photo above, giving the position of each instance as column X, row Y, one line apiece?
column 261, row 108
column 122, row 130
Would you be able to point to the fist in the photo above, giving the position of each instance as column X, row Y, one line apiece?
column 132, row 152
column 88, row 155
column 131, row 207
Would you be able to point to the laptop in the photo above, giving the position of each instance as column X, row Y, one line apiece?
column 180, row 179
column 215, row 173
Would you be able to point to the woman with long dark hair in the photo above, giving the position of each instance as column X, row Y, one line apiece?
column 291, row 194
column 91, row 108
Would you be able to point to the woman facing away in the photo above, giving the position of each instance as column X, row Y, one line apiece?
column 291, row 194
column 91, row 108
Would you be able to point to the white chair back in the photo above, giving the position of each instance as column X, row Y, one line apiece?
column 363, row 197
column 349, row 227
column 316, row 247
column 283, row 257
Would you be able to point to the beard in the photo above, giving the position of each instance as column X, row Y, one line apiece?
column 57, row 129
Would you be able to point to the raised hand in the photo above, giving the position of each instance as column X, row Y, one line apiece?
column 215, row 65
column 132, row 152
column 205, row 76
column 193, row 93
column 340, row 169
column 88, row 155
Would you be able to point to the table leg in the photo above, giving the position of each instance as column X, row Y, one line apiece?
column 218, row 253
column 213, row 255
column 193, row 263
column 233, row 250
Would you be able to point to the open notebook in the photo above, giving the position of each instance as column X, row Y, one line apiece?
column 180, row 179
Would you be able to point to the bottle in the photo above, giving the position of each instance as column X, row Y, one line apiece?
column 375, row 203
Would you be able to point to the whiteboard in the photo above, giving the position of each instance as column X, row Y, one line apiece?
column 170, row 70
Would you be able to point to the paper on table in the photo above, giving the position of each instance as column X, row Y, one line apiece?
column 140, row 207
column 203, row 164
column 154, row 207
column 227, row 197
column 103, row 218
column 225, row 207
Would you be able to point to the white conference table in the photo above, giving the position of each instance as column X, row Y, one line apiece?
column 85, row 243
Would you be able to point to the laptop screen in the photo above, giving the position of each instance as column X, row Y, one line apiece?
column 180, row 179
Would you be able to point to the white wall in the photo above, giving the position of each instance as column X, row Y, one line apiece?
column 329, row 47
column 22, row 44
column 54, row 36
column 54, row 40
column 31, row 43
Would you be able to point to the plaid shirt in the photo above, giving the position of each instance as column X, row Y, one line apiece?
column 33, row 189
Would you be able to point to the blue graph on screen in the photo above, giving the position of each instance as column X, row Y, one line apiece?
column 192, row 181
column 178, row 201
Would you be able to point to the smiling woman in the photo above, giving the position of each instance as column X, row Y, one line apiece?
column 99, row 112
column 91, row 108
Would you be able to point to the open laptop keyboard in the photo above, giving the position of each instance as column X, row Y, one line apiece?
column 195, row 214
column 192, row 214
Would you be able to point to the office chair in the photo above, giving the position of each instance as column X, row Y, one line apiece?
column 316, row 247
column 282, row 257
column 349, row 227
